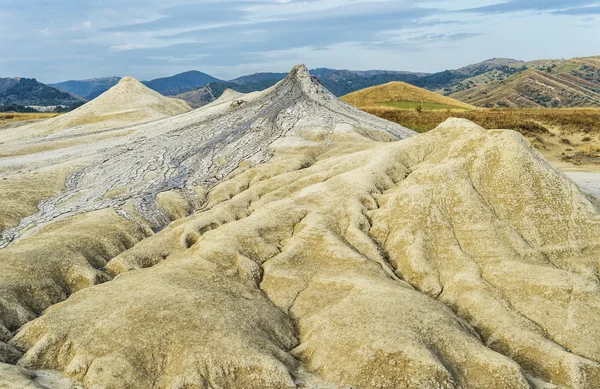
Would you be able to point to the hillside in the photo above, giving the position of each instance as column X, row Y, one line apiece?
column 487, row 66
column 284, row 239
column 30, row 92
column 449, row 78
column 180, row 83
column 543, row 83
column 402, row 95
column 88, row 89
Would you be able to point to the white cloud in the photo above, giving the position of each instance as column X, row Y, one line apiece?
column 128, row 46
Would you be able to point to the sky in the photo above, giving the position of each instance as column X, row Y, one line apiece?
column 58, row 40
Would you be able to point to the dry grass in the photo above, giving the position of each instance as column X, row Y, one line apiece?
column 7, row 117
column 583, row 155
column 567, row 121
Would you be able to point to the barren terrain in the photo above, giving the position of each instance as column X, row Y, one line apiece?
column 285, row 239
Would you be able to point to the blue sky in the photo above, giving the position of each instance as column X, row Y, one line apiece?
column 57, row 40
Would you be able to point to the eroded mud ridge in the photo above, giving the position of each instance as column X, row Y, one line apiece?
column 454, row 259
column 201, row 149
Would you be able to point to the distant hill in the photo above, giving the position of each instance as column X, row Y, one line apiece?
column 487, row 65
column 496, row 82
column 342, row 82
column 180, row 83
column 88, row 89
column 167, row 86
column 259, row 77
column 209, row 93
column 339, row 82
column 449, row 78
column 199, row 89
column 542, row 83
column 30, row 92
column 200, row 97
column 403, row 96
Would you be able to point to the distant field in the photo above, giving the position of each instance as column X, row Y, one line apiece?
column 417, row 105
column 7, row 117
column 567, row 120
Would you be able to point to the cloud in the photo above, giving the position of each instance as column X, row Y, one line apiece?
column 127, row 47
column 583, row 11
column 528, row 5
column 190, row 15
column 45, row 31
column 151, row 38
column 359, row 22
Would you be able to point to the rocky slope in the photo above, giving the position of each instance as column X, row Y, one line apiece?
column 313, row 247
column 542, row 83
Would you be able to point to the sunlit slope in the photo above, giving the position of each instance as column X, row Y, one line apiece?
column 402, row 95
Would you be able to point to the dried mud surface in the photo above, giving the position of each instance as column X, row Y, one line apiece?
column 285, row 240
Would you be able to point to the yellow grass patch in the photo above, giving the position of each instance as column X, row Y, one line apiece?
column 7, row 117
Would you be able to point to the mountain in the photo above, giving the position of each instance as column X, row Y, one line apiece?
column 572, row 83
column 180, row 83
column 124, row 104
column 284, row 239
column 199, row 89
column 542, row 83
column 30, row 92
column 401, row 95
column 342, row 82
column 167, row 86
column 88, row 89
